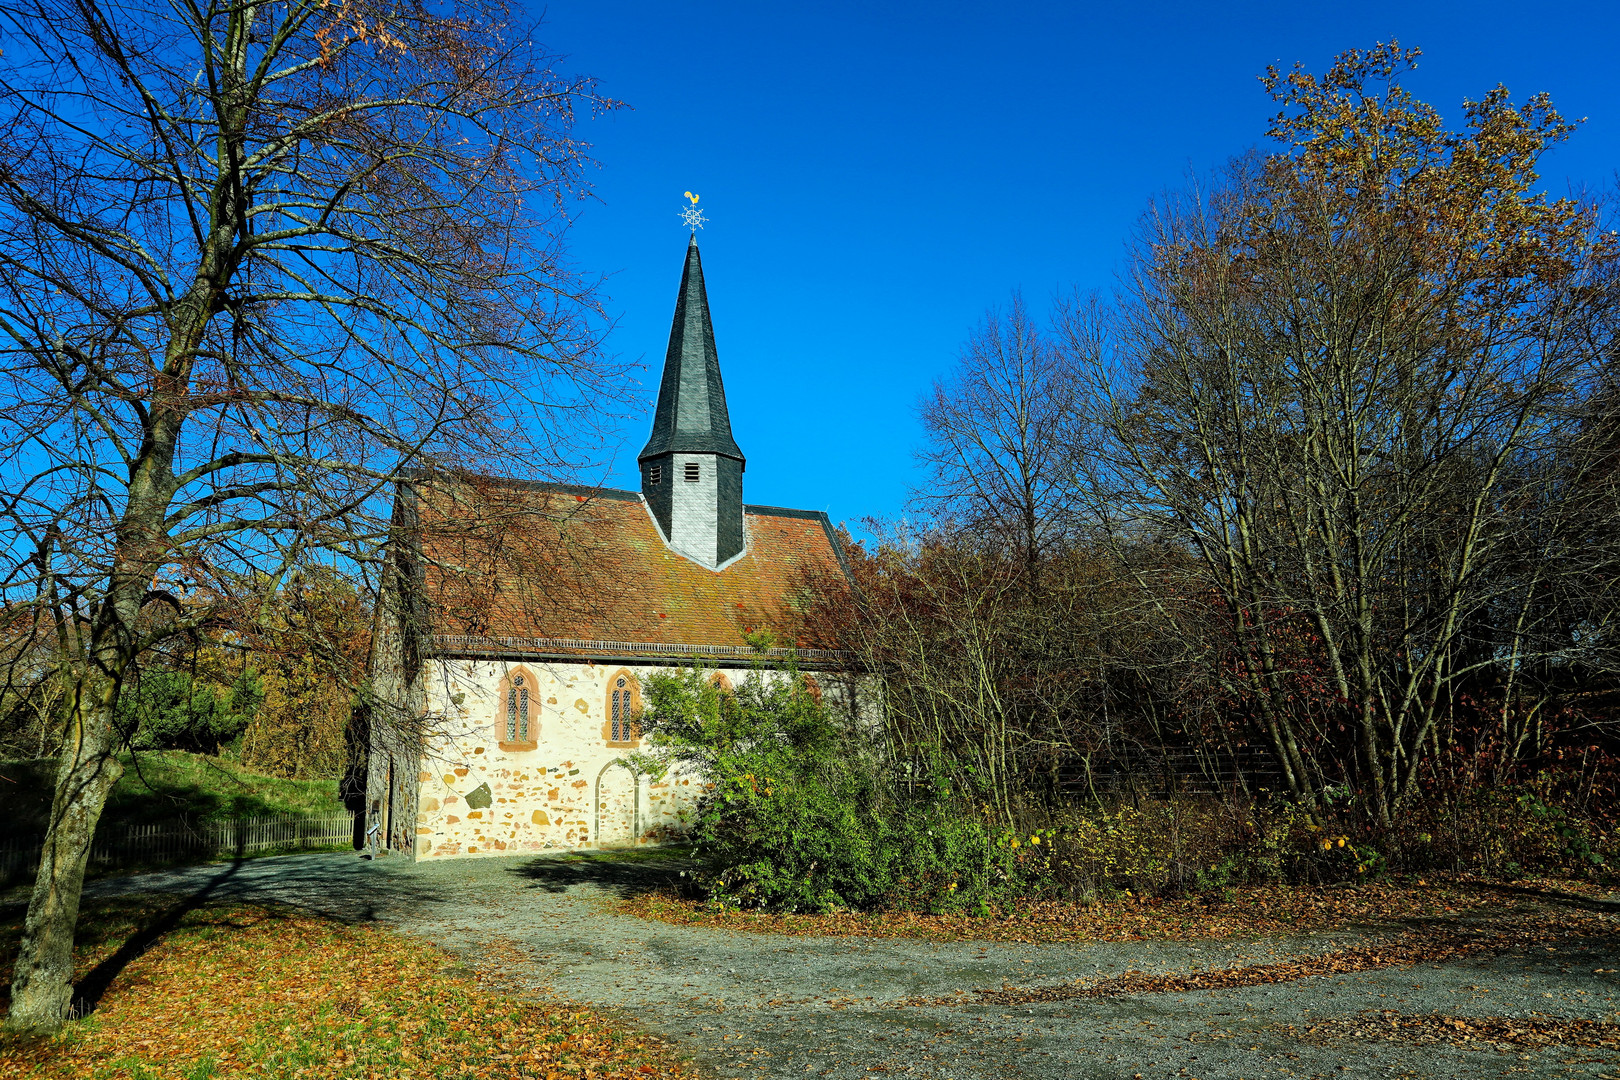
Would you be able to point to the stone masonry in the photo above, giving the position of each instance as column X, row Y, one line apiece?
column 572, row 791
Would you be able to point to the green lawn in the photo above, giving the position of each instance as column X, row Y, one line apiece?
column 162, row 785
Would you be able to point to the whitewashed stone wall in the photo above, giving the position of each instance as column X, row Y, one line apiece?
column 572, row 791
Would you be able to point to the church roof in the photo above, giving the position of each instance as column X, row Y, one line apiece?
column 518, row 568
column 691, row 415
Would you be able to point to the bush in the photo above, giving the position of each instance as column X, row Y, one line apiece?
column 1182, row 844
column 1504, row 832
column 1185, row 844
column 799, row 811
column 169, row 710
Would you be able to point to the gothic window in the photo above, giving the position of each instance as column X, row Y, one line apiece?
column 623, row 707
column 517, row 711
column 692, row 472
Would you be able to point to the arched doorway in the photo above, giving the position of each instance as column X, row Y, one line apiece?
column 618, row 805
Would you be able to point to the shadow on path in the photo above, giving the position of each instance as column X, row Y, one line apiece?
column 334, row 887
column 87, row 994
column 622, row 878
column 1557, row 896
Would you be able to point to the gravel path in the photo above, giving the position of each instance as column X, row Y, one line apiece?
column 747, row 1004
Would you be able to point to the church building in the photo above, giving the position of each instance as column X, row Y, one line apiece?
column 518, row 622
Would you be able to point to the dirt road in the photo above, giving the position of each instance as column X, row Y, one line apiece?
column 747, row 1004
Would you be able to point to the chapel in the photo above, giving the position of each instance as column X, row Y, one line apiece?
column 518, row 621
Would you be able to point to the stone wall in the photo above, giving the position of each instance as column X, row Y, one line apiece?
column 573, row 790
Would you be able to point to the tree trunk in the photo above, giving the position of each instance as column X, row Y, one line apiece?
column 42, row 986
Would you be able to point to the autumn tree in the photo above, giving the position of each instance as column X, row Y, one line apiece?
column 1000, row 437
column 307, row 645
column 255, row 260
column 983, row 686
column 1334, row 378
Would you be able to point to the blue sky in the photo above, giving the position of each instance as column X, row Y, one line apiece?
column 877, row 175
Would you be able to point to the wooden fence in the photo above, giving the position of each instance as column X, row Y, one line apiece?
column 128, row 847
column 1169, row 770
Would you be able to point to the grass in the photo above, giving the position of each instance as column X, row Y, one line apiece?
column 162, row 785
column 229, row 991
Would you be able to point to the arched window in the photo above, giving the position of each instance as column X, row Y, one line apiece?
column 517, row 711
column 722, row 682
column 623, row 706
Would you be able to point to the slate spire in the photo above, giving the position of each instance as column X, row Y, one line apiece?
column 691, row 467
column 692, row 416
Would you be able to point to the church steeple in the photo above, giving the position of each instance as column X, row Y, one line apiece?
column 691, row 467
column 692, row 415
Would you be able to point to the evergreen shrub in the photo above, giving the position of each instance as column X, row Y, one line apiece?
column 169, row 710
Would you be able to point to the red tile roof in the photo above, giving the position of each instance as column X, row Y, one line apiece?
column 505, row 559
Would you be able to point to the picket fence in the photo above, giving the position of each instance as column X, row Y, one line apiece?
column 128, row 847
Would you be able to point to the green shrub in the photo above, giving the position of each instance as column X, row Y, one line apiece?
column 169, row 710
column 799, row 811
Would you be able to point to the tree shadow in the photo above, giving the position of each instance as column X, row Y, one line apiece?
column 139, row 911
column 625, row 875
column 88, row 992
column 1556, row 896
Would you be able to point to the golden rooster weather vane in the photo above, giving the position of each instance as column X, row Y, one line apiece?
column 691, row 216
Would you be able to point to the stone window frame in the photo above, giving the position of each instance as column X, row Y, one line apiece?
column 722, row 683
column 505, row 705
column 630, row 707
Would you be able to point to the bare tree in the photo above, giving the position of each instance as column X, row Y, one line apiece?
column 1000, row 434
column 1330, row 380
column 255, row 259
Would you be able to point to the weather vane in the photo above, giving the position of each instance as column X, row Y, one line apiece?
column 691, row 216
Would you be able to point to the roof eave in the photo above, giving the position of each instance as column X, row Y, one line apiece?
column 464, row 647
